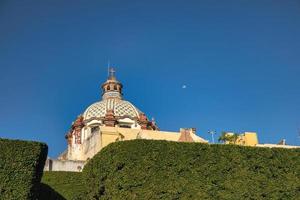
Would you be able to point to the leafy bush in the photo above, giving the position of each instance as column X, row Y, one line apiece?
column 21, row 168
column 145, row 169
column 61, row 185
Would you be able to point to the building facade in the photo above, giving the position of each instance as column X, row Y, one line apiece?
column 251, row 139
column 114, row 119
column 245, row 139
column 110, row 120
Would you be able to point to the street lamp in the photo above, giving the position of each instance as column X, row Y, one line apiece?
column 212, row 135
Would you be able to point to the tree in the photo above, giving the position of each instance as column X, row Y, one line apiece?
column 228, row 138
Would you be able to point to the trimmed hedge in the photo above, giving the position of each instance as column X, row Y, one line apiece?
column 21, row 168
column 48, row 193
column 145, row 169
column 61, row 185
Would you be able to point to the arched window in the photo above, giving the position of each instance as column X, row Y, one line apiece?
column 115, row 87
column 94, row 130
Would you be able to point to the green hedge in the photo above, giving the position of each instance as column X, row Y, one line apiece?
column 46, row 192
column 21, row 168
column 145, row 169
column 61, row 185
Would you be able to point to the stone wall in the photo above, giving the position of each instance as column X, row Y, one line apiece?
column 63, row 165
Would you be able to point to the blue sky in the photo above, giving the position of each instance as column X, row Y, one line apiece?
column 239, row 60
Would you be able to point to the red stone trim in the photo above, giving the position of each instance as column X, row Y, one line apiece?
column 185, row 136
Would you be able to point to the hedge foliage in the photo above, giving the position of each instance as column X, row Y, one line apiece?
column 61, row 185
column 21, row 168
column 145, row 169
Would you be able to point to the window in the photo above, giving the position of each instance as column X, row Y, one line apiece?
column 124, row 126
column 94, row 130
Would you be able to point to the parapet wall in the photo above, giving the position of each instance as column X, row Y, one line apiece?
column 63, row 165
column 277, row 146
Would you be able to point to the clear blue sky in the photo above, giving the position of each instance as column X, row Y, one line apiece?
column 240, row 61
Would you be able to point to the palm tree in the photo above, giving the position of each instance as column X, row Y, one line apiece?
column 228, row 138
column 234, row 138
column 223, row 137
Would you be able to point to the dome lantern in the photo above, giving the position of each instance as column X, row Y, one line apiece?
column 112, row 88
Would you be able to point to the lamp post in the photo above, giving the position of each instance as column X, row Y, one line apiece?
column 212, row 135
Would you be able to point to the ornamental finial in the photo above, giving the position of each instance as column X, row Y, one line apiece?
column 111, row 73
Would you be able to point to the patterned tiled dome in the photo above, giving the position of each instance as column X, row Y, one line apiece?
column 120, row 107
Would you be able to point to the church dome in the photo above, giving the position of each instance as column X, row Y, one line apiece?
column 112, row 102
column 113, row 110
column 120, row 108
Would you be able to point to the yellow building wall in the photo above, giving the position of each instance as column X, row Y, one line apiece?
column 107, row 135
column 246, row 139
column 130, row 134
column 106, row 139
column 250, row 138
column 113, row 134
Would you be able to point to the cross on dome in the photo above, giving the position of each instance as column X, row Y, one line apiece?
column 112, row 88
column 111, row 73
